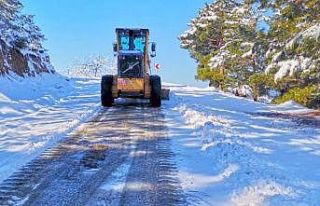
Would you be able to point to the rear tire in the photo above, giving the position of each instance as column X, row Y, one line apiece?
column 106, row 91
column 155, row 84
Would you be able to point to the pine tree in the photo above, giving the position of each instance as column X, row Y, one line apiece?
column 294, row 36
column 223, row 40
column 18, row 29
column 266, row 44
column 8, row 13
column 27, row 34
column 202, row 36
column 21, row 41
column 9, row 9
column 294, row 46
column 235, row 59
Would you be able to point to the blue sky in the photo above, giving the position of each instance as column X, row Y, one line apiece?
column 79, row 28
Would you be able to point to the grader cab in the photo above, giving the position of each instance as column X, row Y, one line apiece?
column 133, row 79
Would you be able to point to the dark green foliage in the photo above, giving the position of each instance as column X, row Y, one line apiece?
column 233, row 50
column 299, row 95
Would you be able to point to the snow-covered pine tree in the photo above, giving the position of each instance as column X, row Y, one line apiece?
column 8, row 10
column 295, row 41
column 21, row 42
column 227, row 41
column 8, row 14
column 237, row 56
column 202, row 36
column 223, row 40
column 26, row 34
column 294, row 48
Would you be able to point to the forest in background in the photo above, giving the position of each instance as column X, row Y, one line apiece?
column 259, row 48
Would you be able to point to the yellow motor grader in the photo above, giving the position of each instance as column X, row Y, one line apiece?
column 133, row 79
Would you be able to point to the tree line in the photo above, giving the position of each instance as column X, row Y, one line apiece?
column 270, row 46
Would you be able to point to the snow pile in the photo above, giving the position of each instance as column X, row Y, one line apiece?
column 198, row 118
column 20, row 89
column 243, row 91
column 256, row 195
column 196, row 181
column 291, row 107
column 210, row 128
column 215, row 131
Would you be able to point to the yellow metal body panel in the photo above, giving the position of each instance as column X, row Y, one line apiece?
column 128, row 85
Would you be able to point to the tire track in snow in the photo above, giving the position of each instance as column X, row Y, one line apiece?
column 152, row 177
column 36, row 174
column 122, row 142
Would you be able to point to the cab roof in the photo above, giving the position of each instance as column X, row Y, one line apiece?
column 131, row 29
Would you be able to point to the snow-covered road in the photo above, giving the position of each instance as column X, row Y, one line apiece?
column 121, row 157
column 224, row 150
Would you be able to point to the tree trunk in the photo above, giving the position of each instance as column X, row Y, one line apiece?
column 221, row 85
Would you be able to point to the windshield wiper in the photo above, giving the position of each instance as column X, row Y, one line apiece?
column 131, row 67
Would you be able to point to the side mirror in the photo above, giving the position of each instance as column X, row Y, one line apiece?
column 115, row 47
column 153, row 49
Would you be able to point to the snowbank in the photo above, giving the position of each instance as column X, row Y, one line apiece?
column 229, row 154
column 291, row 107
column 37, row 112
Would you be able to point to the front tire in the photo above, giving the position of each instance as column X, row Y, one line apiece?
column 155, row 84
column 106, row 91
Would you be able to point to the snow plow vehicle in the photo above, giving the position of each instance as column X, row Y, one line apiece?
column 133, row 79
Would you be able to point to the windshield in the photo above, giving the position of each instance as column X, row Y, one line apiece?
column 132, row 41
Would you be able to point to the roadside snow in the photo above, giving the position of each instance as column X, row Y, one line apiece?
column 291, row 107
column 36, row 113
column 230, row 154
